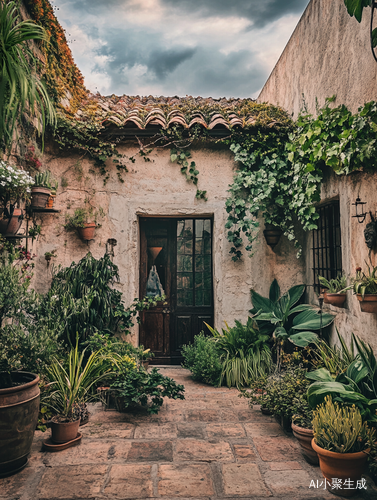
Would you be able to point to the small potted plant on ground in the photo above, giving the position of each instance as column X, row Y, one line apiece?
column 145, row 357
column 72, row 388
column 41, row 190
column 336, row 290
column 302, row 429
column 365, row 288
column 342, row 441
column 84, row 220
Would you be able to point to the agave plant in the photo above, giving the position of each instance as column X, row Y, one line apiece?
column 335, row 285
column 21, row 91
column 282, row 316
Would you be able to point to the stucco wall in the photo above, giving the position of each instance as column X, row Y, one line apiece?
column 354, row 250
column 328, row 54
column 157, row 188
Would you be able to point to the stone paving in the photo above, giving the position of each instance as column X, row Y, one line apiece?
column 210, row 446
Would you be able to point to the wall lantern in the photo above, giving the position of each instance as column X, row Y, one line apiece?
column 359, row 208
column 110, row 244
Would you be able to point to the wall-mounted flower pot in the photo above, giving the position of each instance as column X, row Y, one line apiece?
column 272, row 235
column 368, row 304
column 87, row 232
column 12, row 225
column 335, row 299
column 305, row 437
column 342, row 466
column 19, row 408
column 39, row 197
column 50, row 202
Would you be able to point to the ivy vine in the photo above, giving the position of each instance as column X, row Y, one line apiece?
column 188, row 170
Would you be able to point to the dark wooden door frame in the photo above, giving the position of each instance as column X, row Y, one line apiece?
column 168, row 313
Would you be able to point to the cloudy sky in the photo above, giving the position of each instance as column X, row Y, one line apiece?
column 217, row 48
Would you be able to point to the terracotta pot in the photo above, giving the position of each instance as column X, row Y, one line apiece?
column 272, row 235
column 19, row 408
column 145, row 364
column 50, row 202
column 39, row 197
column 342, row 466
column 64, row 432
column 87, row 233
column 335, row 299
column 12, row 225
column 368, row 304
column 304, row 438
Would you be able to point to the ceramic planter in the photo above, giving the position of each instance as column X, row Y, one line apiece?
column 62, row 432
column 87, row 232
column 368, row 304
column 304, row 438
column 39, row 197
column 11, row 226
column 344, row 466
column 335, row 299
column 50, row 202
column 272, row 235
column 19, row 408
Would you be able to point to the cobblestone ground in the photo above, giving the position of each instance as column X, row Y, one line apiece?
column 209, row 446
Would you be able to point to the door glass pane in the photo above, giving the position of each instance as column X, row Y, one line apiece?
column 194, row 262
column 185, row 272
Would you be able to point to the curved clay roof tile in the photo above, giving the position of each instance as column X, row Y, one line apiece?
column 156, row 120
column 179, row 120
column 218, row 121
column 198, row 119
column 135, row 121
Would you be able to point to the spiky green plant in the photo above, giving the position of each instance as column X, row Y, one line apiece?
column 341, row 428
column 73, row 385
column 21, row 91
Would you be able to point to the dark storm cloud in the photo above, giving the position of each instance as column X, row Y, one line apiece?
column 163, row 62
column 260, row 12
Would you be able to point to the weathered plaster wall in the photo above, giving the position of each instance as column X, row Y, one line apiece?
column 354, row 251
column 157, row 188
column 328, row 54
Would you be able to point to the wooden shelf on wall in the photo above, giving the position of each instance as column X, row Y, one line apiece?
column 45, row 210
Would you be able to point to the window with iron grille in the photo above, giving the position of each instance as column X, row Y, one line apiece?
column 327, row 245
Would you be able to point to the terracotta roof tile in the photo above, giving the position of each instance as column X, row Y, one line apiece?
column 125, row 111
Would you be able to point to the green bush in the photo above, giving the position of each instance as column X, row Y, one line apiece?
column 202, row 358
column 135, row 388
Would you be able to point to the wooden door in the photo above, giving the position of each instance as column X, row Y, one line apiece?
column 181, row 251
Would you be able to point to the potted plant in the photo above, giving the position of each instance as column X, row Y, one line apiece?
column 302, row 429
column 365, row 288
column 51, row 199
column 84, row 220
column 272, row 235
column 70, row 389
column 41, row 190
column 342, row 441
column 145, row 357
column 335, row 290
column 15, row 186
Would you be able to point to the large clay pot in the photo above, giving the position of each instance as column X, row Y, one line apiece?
column 39, row 197
column 11, row 226
column 342, row 466
column 304, row 438
column 272, row 235
column 62, row 432
column 87, row 232
column 19, row 408
column 368, row 304
column 335, row 299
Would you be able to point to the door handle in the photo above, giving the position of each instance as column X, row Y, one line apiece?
column 165, row 311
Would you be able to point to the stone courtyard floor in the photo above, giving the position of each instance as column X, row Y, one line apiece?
column 209, row 446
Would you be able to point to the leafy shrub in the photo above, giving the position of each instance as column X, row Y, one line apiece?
column 203, row 360
column 140, row 388
column 284, row 394
column 82, row 300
